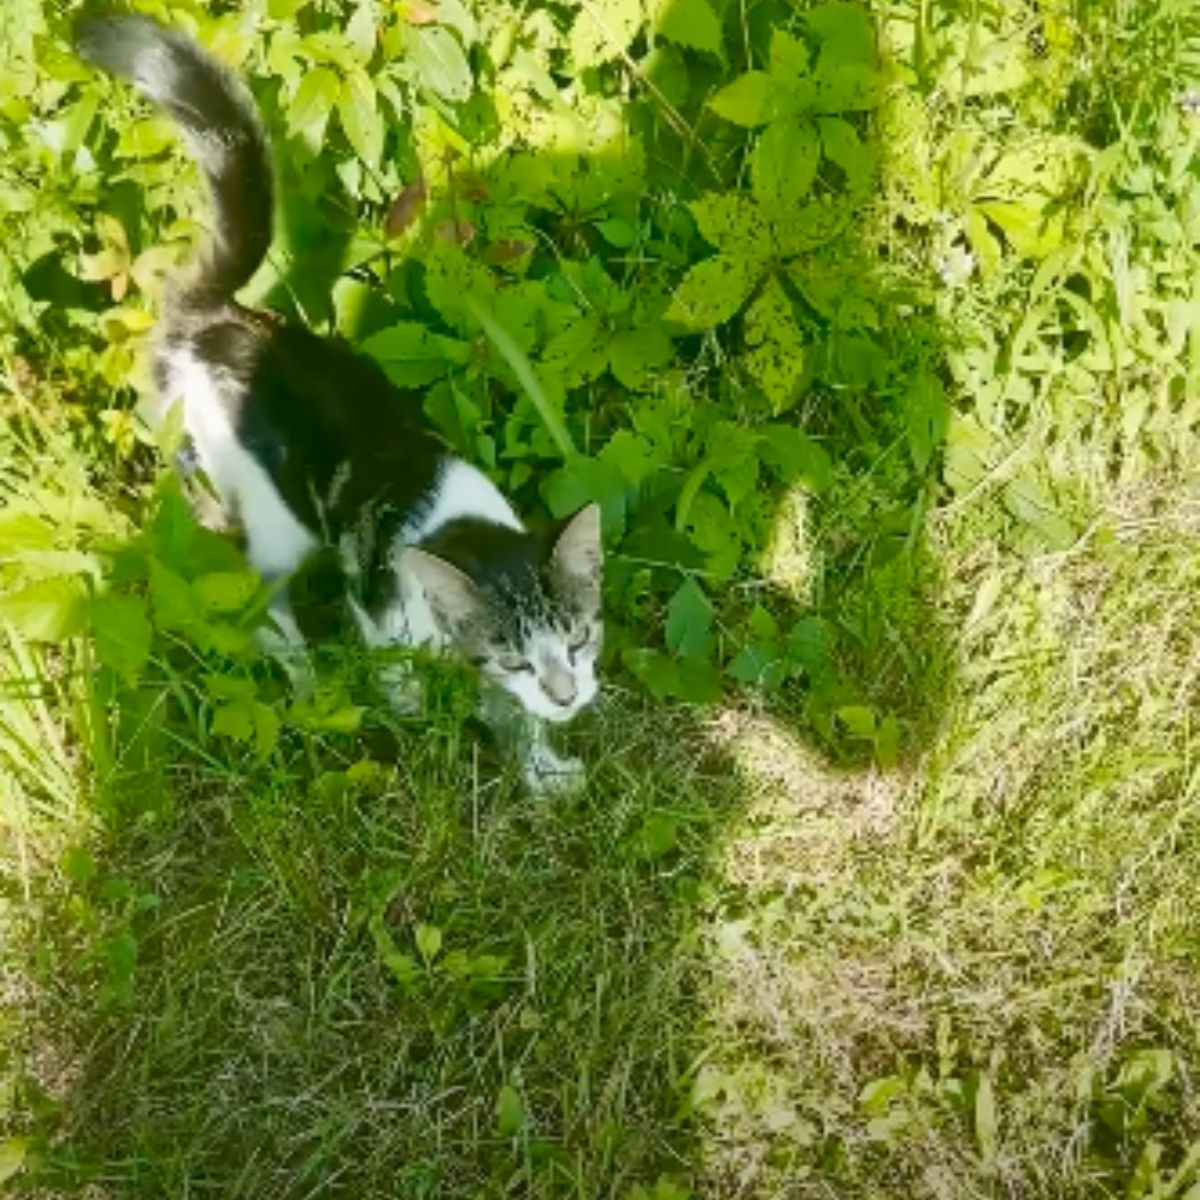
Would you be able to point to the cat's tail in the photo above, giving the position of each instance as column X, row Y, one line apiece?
column 220, row 123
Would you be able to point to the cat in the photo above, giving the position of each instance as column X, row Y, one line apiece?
column 314, row 452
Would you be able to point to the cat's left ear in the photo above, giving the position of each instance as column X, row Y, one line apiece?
column 455, row 600
column 578, row 556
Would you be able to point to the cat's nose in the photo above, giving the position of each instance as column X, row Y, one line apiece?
column 559, row 685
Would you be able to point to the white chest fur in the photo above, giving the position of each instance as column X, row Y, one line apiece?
column 276, row 541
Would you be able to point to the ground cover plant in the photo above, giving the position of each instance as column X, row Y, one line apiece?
column 875, row 330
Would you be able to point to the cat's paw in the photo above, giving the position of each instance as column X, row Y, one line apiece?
column 550, row 775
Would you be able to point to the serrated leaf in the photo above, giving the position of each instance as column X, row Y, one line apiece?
column 510, row 1112
column 689, row 622
column 634, row 354
column 603, row 30
column 359, row 114
column 775, row 348
column 441, row 63
column 691, row 23
column 843, row 146
column 784, row 164
column 309, row 110
column 712, row 292
column 846, row 32
column 122, row 633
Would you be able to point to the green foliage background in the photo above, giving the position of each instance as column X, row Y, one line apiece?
column 875, row 330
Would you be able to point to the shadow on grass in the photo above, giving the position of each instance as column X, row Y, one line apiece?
column 391, row 975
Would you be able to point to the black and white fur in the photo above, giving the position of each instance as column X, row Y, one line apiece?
column 312, row 450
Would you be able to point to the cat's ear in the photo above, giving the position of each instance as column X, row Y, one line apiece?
column 578, row 556
column 455, row 600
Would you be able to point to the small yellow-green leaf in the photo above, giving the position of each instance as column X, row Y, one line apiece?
column 309, row 110
column 748, row 101
column 13, row 1153
column 50, row 610
column 510, row 1112
column 359, row 113
column 429, row 941
column 603, row 30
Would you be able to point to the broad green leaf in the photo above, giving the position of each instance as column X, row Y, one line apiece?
column 846, row 32
column 788, row 57
column 266, row 729
column 846, row 87
column 712, row 291
column 887, row 743
column 359, row 113
column 582, row 480
column 797, row 458
column 223, row 592
column 361, row 29
column 858, row 720
column 635, row 353
column 810, row 646
column 175, row 604
column 842, row 146
column 413, row 355
column 578, row 354
column 122, row 632
column 603, row 30
column 691, row 23
column 775, row 347
column 50, row 610
column 750, row 100
column 734, row 223
column 617, row 232
column 510, row 1112
column 785, row 163
column 147, row 138
column 309, row 110
column 689, row 622
column 631, row 454
column 441, row 63
column 235, row 720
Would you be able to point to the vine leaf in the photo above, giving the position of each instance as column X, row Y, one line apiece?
column 775, row 347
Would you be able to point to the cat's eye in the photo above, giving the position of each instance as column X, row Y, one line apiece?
column 514, row 664
column 578, row 638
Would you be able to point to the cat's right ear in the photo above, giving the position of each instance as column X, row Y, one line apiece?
column 455, row 600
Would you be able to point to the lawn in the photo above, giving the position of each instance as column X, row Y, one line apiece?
column 875, row 330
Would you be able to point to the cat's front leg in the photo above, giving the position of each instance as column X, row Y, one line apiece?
column 282, row 640
column 527, row 738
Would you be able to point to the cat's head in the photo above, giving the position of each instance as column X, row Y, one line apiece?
column 535, row 629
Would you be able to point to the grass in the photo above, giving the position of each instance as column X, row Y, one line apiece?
column 745, row 963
